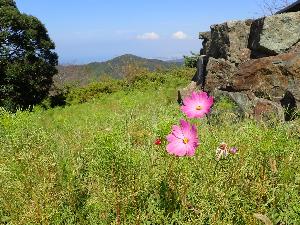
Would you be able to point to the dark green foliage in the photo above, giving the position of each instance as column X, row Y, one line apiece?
column 27, row 60
column 191, row 61
column 57, row 97
column 5, row 3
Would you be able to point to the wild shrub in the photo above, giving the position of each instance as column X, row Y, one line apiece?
column 93, row 90
column 141, row 81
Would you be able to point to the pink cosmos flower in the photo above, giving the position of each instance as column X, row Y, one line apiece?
column 197, row 105
column 183, row 139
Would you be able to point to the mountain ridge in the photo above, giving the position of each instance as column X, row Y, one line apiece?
column 116, row 68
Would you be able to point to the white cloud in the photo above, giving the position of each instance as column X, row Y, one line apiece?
column 179, row 35
column 148, row 36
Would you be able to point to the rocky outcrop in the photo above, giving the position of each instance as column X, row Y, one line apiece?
column 256, row 63
column 269, row 77
column 275, row 34
column 219, row 73
column 251, row 106
column 228, row 41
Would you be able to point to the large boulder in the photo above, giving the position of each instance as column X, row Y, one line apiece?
column 251, row 106
column 228, row 41
column 219, row 74
column 274, row 34
column 261, row 87
column 256, row 62
column 270, row 77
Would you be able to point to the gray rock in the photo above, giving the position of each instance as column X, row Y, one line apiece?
column 256, row 63
column 230, row 41
column 206, row 37
column 270, row 84
column 241, row 99
column 295, row 48
column 184, row 92
column 251, row 106
column 275, row 34
column 219, row 74
column 269, row 77
column 264, row 109
column 199, row 77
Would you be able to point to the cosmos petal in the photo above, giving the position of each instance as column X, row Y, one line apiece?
column 177, row 132
column 171, row 138
column 194, row 101
column 190, row 150
column 176, row 148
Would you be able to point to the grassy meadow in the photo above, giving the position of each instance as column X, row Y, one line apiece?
column 96, row 163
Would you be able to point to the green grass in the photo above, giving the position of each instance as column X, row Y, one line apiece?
column 96, row 163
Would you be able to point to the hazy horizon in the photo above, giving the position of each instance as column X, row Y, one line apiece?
column 107, row 59
column 95, row 31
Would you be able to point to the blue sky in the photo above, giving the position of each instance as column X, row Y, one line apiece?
column 97, row 30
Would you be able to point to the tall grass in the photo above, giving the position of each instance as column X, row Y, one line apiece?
column 96, row 163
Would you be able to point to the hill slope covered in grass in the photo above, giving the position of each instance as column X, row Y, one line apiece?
column 96, row 163
column 117, row 67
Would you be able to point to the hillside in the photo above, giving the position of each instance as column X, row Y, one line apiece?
column 117, row 68
column 97, row 163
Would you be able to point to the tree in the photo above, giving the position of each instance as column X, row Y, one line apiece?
column 270, row 7
column 191, row 61
column 27, row 58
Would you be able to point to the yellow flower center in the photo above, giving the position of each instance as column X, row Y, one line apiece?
column 185, row 140
column 198, row 107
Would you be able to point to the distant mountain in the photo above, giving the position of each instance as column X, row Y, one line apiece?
column 179, row 61
column 117, row 68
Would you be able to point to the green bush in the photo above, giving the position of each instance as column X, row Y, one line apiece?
column 192, row 60
column 93, row 90
column 143, row 81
